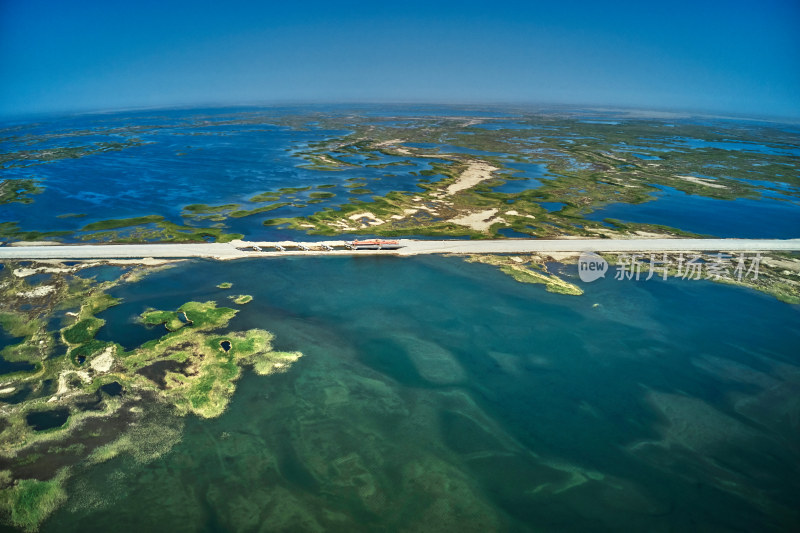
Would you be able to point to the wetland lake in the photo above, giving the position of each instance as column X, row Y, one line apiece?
column 384, row 393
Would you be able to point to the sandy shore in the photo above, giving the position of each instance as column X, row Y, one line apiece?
column 393, row 144
column 480, row 221
column 476, row 172
column 702, row 181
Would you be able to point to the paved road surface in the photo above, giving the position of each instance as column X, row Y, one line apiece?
column 239, row 249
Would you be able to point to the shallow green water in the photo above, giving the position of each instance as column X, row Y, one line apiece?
column 439, row 395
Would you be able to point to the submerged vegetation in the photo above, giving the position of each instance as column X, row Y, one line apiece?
column 75, row 385
column 28, row 502
column 528, row 269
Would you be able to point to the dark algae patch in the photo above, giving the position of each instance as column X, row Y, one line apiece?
column 112, row 389
column 44, row 420
column 157, row 372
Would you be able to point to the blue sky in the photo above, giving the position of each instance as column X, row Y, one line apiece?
column 731, row 57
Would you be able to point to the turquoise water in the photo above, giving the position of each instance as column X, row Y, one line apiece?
column 440, row 395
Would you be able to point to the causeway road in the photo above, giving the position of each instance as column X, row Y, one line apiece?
column 243, row 249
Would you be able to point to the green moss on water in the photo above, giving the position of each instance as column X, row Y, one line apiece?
column 206, row 314
column 526, row 269
column 266, row 197
column 293, row 190
column 29, row 501
column 122, row 223
column 11, row 231
column 87, row 350
column 150, row 228
column 18, row 190
column 83, row 331
column 18, row 324
column 206, row 384
column 158, row 231
column 202, row 209
column 169, row 319
column 321, row 195
column 98, row 301
column 240, row 213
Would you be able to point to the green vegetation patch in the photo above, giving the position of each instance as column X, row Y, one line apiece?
column 528, row 270
column 29, row 501
column 266, row 197
column 122, row 223
column 96, row 302
column 87, row 350
column 204, row 209
column 241, row 299
column 293, row 190
column 153, row 229
column 202, row 375
column 17, row 324
column 11, row 231
column 169, row 319
column 321, row 195
column 18, row 190
column 216, row 213
column 239, row 213
column 83, row 331
column 206, row 314
column 225, row 285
